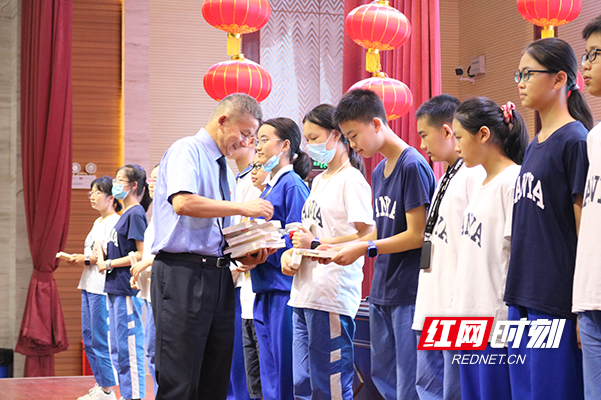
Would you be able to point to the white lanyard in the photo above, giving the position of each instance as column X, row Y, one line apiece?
column 328, row 180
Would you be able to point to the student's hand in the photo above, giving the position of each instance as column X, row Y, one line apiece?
column 138, row 268
column 578, row 334
column 133, row 283
column 101, row 266
column 258, row 208
column 235, row 274
column 77, row 259
column 349, row 253
column 254, row 259
column 286, row 263
column 245, row 268
column 302, row 238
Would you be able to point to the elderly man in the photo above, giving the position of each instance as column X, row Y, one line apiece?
column 192, row 288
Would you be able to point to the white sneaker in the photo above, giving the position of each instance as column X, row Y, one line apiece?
column 96, row 393
column 91, row 392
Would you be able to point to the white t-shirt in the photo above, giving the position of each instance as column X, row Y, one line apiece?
column 436, row 285
column 331, row 210
column 144, row 278
column 484, row 248
column 246, row 191
column 587, row 276
column 91, row 280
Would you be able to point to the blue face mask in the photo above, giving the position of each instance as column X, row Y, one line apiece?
column 118, row 191
column 319, row 153
column 272, row 163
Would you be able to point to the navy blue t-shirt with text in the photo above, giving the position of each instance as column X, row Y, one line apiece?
column 543, row 235
column 127, row 230
column 410, row 185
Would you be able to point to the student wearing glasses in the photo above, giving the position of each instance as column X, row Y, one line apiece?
column 546, row 216
column 125, row 309
column 94, row 308
column 279, row 153
column 587, row 277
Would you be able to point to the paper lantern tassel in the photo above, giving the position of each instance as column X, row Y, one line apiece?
column 372, row 61
column 234, row 44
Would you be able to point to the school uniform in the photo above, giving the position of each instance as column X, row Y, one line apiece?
column 587, row 276
column 484, row 250
column 272, row 315
column 543, row 253
column 125, row 309
column 394, row 286
column 326, row 297
column 437, row 377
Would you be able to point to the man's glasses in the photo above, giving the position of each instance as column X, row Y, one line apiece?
column 590, row 56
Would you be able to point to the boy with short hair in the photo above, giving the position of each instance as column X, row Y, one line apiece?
column 437, row 377
column 587, row 276
column 402, row 186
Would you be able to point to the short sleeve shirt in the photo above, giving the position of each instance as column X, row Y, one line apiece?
column 411, row 184
column 543, row 248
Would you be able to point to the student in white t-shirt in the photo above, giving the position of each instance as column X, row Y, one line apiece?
column 436, row 376
column 587, row 276
column 94, row 308
column 325, row 297
column 496, row 138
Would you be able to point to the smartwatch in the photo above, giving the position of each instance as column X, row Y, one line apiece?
column 372, row 250
column 108, row 265
column 315, row 243
column 87, row 261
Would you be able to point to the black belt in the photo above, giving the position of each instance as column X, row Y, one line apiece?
column 205, row 261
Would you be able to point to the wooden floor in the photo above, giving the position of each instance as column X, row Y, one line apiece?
column 55, row 388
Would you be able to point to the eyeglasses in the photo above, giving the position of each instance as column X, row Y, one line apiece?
column 119, row 182
column 94, row 194
column 590, row 56
column 261, row 141
column 257, row 166
column 526, row 74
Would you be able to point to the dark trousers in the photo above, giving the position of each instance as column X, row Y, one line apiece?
column 193, row 308
column 251, row 358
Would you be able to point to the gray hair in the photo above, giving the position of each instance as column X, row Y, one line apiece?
column 238, row 105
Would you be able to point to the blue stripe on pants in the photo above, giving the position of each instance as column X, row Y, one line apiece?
column 95, row 333
column 273, row 323
column 590, row 337
column 437, row 378
column 127, row 335
column 485, row 381
column 547, row 374
column 322, row 354
column 393, row 343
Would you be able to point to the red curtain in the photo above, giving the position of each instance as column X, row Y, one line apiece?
column 417, row 64
column 46, row 119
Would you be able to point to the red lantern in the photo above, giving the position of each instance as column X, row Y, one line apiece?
column 236, row 17
column 395, row 95
column 377, row 26
column 238, row 75
column 549, row 13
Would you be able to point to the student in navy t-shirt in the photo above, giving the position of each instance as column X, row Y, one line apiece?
column 546, row 213
column 125, row 309
column 278, row 150
column 402, row 186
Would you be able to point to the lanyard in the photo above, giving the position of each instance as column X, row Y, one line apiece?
column 315, row 196
column 433, row 216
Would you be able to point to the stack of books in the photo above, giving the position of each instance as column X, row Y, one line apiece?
column 253, row 235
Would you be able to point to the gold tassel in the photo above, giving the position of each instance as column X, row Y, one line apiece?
column 234, row 44
column 547, row 32
column 372, row 61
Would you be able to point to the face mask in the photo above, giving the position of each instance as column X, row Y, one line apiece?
column 319, row 153
column 118, row 191
column 272, row 163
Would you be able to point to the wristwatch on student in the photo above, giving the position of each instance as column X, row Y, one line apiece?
column 107, row 263
column 372, row 250
column 315, row 243
column 87, row 262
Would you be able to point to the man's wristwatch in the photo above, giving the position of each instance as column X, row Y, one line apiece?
column 315, row 243
column 87, row 261
column 108, row 265
column 372, row 250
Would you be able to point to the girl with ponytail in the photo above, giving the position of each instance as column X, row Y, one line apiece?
column 125, row 309
column 279, row 154
column 496, row 138
column 325, row 297
column 546, row 214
